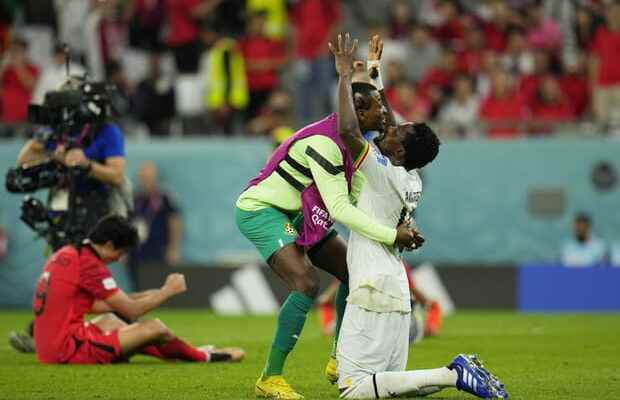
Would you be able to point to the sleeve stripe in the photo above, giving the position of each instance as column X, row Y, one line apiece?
column 362, row 156
column 323, row 162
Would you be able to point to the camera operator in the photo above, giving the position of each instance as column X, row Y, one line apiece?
column 98, row 189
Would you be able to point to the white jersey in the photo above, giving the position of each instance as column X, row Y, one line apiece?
column 377, row 278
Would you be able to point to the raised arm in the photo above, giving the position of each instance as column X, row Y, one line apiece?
column 348, row 126
column 133, row 308
column 375, row 50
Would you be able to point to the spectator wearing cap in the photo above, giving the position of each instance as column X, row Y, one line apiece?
column 264, row 57
column 18, row 77
column 605, row 68
column 583, row 249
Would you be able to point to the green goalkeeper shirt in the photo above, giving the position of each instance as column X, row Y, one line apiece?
column 274, row 191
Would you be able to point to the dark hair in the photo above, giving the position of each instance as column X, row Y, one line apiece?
column 362, row 93
column 421, row 146
column 115, row 229
column 583, row 217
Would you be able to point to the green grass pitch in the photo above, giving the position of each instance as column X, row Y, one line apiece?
column 537, row 356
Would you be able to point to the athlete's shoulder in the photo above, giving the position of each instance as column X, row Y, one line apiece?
column 65, row 256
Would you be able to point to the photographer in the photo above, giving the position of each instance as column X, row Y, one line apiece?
column 90, row 154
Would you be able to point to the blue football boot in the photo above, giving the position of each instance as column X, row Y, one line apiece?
column 475, row 379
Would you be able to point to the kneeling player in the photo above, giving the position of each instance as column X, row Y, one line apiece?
column 76, row 281
column 374, row 338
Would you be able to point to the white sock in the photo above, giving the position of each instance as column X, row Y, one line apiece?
column 390, row 384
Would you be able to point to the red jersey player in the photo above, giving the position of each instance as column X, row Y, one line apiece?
column 76, row 281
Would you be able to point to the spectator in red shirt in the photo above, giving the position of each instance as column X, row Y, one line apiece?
column 451, row 32
column 314, row 23
column 529, row 83
column 264, row 57
column 401, row 19
column 575, row 85
column 76, row 281
column 437, row 82
column 410, row 105
column 504, row 110
column 551, row 107
column 606, row 68
column 497, row 28
column 470, row 57
column 17, row 82
column 184, row 17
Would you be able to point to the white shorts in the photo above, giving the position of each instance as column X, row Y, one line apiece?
column 371, row 342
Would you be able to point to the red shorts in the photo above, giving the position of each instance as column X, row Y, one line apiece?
column 93, row 346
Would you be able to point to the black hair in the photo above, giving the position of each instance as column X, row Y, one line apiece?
column 115, row 229
column 583, row 217
column 362, row 93
column 421, row 146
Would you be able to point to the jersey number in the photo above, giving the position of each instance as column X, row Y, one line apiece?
column 40, row 296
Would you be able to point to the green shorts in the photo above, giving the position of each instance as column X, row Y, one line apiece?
column 270, row 229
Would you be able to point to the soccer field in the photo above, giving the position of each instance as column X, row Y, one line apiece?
column 537, row 357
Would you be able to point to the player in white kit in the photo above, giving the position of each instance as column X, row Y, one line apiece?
column 373, row 344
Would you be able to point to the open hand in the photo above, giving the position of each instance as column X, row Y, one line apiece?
column 344, row 53
column 375, row 48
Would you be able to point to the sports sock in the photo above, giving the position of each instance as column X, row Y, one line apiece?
column 178, row 349
column 341, row 304
column 392, row 384
column 291, row 321
column 152, row 351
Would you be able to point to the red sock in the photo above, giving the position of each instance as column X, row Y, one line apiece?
column 152, row 351
column 176, row 348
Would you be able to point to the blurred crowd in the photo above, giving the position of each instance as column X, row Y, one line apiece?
column 498, row 69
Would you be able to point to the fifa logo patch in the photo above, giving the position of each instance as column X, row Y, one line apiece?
column 289, row 229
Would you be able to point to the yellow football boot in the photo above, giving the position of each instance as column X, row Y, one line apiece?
column 331, row 370
column 275, row 387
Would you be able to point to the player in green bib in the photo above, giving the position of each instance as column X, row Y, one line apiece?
column 269, row 212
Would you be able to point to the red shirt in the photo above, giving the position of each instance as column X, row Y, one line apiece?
column 495, row 37
column 435, row 77
column 260, row 49
column 14, row 96
column 606, row 47
column 183, row 27
column 314, row 20
column 469, row 61
column 69, row 285
column 545, row 115
column 503, row 115
column 451, row 32
column 528, row 87
column 577, row 90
